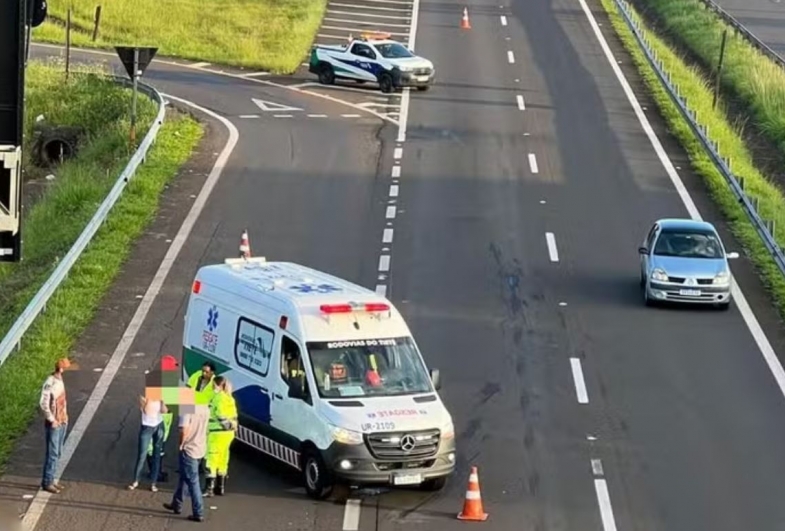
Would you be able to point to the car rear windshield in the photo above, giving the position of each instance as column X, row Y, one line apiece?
column 368, row 367
column 688, row 244
column 393, row 50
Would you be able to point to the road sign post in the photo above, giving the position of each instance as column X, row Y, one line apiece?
column 135, row 60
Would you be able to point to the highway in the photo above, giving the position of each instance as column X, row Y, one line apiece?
column 526, row 183
column 764, row 18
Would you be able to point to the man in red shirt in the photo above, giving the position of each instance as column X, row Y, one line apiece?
column 54, row 408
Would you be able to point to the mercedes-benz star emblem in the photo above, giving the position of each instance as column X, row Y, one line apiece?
column 407, row 443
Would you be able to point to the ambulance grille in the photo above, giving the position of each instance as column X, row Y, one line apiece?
column 388, row 445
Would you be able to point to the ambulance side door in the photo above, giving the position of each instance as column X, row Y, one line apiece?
column 296, row 417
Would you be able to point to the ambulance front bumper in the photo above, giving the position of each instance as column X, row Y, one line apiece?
column 358, row 464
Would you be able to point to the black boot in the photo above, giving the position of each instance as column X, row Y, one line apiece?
column 209, row 485
column 220, row 485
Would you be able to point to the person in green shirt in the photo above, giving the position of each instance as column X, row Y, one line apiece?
column 220, row 434
column 202, row 383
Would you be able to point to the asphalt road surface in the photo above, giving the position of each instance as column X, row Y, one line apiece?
column 764, row 18
column 526, row 184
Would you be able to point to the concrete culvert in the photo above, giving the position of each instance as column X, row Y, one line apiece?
column 56, row 151
column 53, row 145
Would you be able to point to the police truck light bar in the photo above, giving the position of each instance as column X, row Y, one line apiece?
column 349, row 308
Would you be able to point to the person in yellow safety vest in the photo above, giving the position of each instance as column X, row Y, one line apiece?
column 162, row 476
column 220, row 434
column 202, row 383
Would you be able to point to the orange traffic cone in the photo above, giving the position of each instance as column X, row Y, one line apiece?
column 245, row 246
column 472, row 505
column 465, row 20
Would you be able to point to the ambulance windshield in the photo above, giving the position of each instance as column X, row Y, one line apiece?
column 368, row 367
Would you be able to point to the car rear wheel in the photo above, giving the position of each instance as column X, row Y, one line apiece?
column 326, row 74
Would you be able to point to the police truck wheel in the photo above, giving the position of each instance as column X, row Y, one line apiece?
column 386, row 83
column 434, row 484
column 318, row 483
column 326, row 74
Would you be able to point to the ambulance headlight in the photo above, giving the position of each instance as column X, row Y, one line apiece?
column 344, row 436
column 447, row 430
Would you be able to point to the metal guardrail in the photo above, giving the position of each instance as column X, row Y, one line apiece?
column 764, row 230
column 13, row 339
column 747, row 34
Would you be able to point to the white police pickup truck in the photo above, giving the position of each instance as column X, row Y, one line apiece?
column 374, row 58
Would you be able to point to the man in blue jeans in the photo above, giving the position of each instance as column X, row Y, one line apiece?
column 54, row 408
column 193, row 448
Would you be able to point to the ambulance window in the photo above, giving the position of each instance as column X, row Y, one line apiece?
column 291, row 361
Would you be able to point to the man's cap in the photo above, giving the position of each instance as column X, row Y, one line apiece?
column 169, row 363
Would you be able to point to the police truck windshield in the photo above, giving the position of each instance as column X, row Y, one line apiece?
column 368, row 367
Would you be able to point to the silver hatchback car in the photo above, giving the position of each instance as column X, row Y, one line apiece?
column 683, row 260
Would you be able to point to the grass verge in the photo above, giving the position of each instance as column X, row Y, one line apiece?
column 56, row 220
column 699, row 96
column 272, row 35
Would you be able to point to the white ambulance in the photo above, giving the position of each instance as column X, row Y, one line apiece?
column 326, row 375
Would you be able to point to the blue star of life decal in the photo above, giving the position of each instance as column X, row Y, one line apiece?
column 311, row 288
column 212, row 319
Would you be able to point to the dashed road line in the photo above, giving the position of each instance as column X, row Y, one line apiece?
column 533, row 163
column 283, row 116
column 384, row 263
column 504, row 20
column 521, row 103
column 398, row 153
column 249, row 116
column 393, row 190
column 387, row 235
column 553, row 251
column 510, row 57
column 604, row 500
column 390, row 214
column 350, row 116
column 580, row 385
column 317, row 116
column 351, row 515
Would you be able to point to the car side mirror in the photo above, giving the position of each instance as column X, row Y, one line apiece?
column 732, row 256
column 643, row 250
column 436, row 378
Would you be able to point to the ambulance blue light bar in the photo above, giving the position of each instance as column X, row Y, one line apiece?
column 349, row 308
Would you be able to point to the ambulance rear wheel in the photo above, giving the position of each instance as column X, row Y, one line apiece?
column 326, row 74
column 318, row 483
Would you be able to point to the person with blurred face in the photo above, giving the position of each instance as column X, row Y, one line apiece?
column 54, row 408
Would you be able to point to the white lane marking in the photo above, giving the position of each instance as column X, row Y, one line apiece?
column 596, row 467
column 365, row 23
column 390, row 212
column 370, row 15
column 604, row 499
column 510, row 57
column 580, row 385
column 403, row 116
column 360, row 30
column 553, row 251
column 37, row 506
column 387, row 236
column 283, row 116
column 396, row 172
column 256, row 74
column 351, row 514
column 381, row 289
column 350, row 116
column 384, row 262
column 504, row 20
column 533, row 163
column 521, row 103
column 271, row 106
column 198, row 65
column 317, row 116
column 355, row 6
column 398, row 153
column 766, row 350
column 250, row 116
column 393, row 190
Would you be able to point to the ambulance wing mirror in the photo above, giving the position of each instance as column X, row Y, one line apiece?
column 436, row 378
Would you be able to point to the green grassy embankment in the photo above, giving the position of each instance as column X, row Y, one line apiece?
column 272, row 35
column 62, row 211
column 697, row 89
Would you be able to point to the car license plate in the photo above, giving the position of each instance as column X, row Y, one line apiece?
column 690, row 292
column 407, row 479
column 422, row 78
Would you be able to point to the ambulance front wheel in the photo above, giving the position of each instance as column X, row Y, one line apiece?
column 318, row 480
